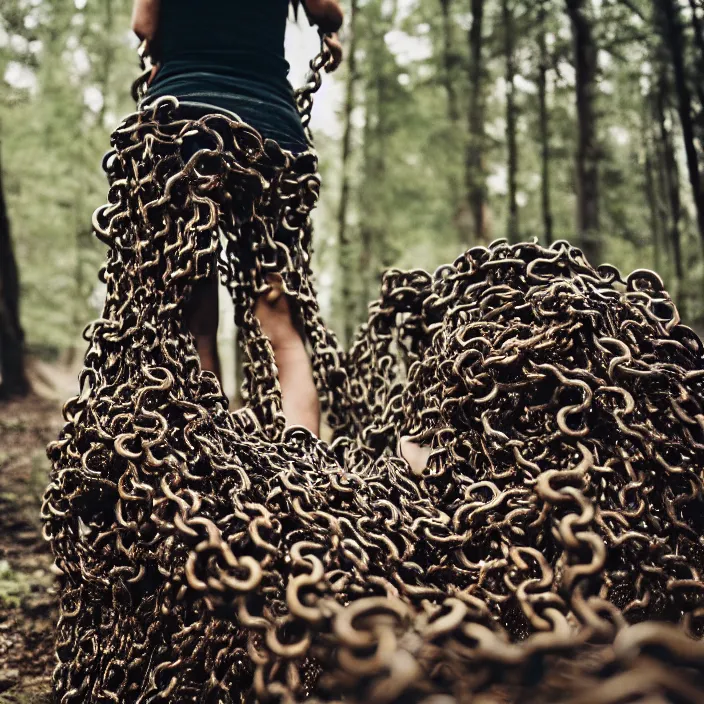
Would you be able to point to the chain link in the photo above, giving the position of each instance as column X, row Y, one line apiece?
column 550, row 551
column 304, row 95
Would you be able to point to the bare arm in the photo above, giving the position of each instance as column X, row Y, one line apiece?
column 145, row 18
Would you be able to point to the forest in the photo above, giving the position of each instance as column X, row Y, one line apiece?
column 451, row 123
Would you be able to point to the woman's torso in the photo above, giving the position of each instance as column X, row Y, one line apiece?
column 229, row 54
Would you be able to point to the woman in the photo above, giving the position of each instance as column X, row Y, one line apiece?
column 229, row 54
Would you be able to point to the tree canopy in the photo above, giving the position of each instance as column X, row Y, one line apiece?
column 451, row 123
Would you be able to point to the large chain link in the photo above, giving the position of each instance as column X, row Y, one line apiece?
column 304, row 95
column 209, row 556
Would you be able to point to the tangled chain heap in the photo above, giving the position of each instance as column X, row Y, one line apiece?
column 209, row 556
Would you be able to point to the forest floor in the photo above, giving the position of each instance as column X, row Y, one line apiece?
column 28, row 602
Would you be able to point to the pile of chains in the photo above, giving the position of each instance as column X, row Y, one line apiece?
column 551, row 550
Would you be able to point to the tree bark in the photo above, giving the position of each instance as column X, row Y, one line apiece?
column 376, row 250
column 108, row 58
column 449, row 76
column 344, row 249
column 475, row 177
column 544, row 124
column 386, row 78
column 585, row 57
column 696, row 23
column 656, row 225
column 672, row 184
column 662, row 186
column 449, row 62
column 698, row 31
column 512, row 229
column 366, row 231
column 674, row 39
column 13, row 381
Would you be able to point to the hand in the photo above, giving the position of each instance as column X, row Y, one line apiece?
column 332, row 41
column 327, row 15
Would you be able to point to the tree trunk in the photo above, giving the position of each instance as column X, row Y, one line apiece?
column 672, row 183
column 656, row 225
column 366, row 231
column 344, row 246
column 544, row 124
column 449, row 63
column 108, row 58
column 449, row 76
column 655, row 229
column 386, row 76
column 376, row 251
column 697, row 24
column 662, row 186
column 674, row 38
column 367, row 210
column 475, row 177
column 512, row 228
column 13, row 381
column 698, row 31
column 585, row 57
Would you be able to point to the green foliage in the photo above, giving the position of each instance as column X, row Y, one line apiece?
column 13, row 586
column 67, row 76
column 68, row 67
column 412, row 170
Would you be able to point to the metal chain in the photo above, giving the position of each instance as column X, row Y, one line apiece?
column 304, row 95
column 550, row 551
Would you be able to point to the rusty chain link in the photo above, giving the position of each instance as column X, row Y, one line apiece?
column 550, row 551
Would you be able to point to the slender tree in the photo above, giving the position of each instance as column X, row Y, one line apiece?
column 698, row 33
column 345, row 261
column 671, row 177
column 544, row 122
column 377, row 251
column 449, row 62
column 585, row 59
column 108, row 58
column 475, row 176
column 652, row 196
column 668, row 17
column 366, row 224
column 13, row 381
column 511, row 140
column 386, row 81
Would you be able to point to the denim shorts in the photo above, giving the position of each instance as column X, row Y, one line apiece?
column 271, row 111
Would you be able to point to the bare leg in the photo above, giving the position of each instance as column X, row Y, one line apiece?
column 299, row 394
column 202, row 321
column 416, row 455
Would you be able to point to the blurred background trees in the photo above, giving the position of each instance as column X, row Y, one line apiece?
column 452, row 123
column 66, row 69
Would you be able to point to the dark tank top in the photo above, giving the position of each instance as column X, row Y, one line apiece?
column 229, row 54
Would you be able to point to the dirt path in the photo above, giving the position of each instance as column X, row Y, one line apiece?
column 27, row 599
